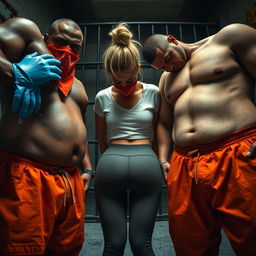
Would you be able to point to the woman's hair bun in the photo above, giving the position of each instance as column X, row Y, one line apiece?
column 121, row 35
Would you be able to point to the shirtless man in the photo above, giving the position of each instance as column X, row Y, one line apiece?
column 41, row 189
column 207, row 112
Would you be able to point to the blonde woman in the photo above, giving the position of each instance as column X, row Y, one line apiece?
column 126, row 113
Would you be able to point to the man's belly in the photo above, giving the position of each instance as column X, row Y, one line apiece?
column 204, row 115
column 56, row 140
column 206, row 130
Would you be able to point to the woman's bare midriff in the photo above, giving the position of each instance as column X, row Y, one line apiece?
column 131, row 142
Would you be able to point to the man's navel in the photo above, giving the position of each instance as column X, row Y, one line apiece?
column 218, row 71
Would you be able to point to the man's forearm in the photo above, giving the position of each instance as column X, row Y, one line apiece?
column 5, row 68
column 86, row 163
column 164, row 142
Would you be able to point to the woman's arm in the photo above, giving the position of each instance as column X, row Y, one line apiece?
column 101, row 132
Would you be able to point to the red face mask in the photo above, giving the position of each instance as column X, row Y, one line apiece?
column 128, row 90
column 68, row 59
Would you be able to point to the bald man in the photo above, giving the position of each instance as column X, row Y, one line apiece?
column 41, row 188
column 207, row 112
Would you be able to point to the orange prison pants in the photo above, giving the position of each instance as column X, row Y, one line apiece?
column 212, row 187
column 41, row 208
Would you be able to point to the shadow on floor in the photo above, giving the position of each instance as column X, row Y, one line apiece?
column 162, row 244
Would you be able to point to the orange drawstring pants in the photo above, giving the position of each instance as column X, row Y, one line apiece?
column 210, row 187
column 41, row 208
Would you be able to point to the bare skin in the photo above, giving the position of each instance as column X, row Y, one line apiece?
column 121, row 79
column 207, row 93
column 57, row 134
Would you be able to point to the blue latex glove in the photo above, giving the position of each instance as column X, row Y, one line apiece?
column 29, row 74
column 27, row 101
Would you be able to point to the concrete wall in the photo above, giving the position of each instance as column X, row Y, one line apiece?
column 232, row 11
column 41, row 12
column 44, row 12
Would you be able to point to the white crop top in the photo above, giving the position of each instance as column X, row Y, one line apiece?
column 134, row 123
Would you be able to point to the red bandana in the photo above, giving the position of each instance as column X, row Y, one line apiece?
column 128, row 90
column 68, row 59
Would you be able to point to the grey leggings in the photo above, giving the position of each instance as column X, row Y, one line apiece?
column 133, row 168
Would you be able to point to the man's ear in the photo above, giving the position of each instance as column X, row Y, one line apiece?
column 172, row 39
column 46, row 37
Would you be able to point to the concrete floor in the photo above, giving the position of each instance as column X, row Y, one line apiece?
column 162, row 244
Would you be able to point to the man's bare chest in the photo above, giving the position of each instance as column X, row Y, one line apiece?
column 209, row 66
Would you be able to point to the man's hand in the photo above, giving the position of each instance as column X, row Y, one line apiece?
column 87, row 180
column 29, row 74
column 252, row 151
column 165, row 168
column 35, row 70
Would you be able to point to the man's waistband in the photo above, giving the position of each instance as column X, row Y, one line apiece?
column 5, row 156
column 224, row 141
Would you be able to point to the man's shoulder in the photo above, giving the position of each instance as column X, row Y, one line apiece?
column 78, row 92
column 164, row 76
column 24, row 27
column 233, row 33
column 78, row 86
column 78, row 83
column 234, row 27
column 17, row 23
